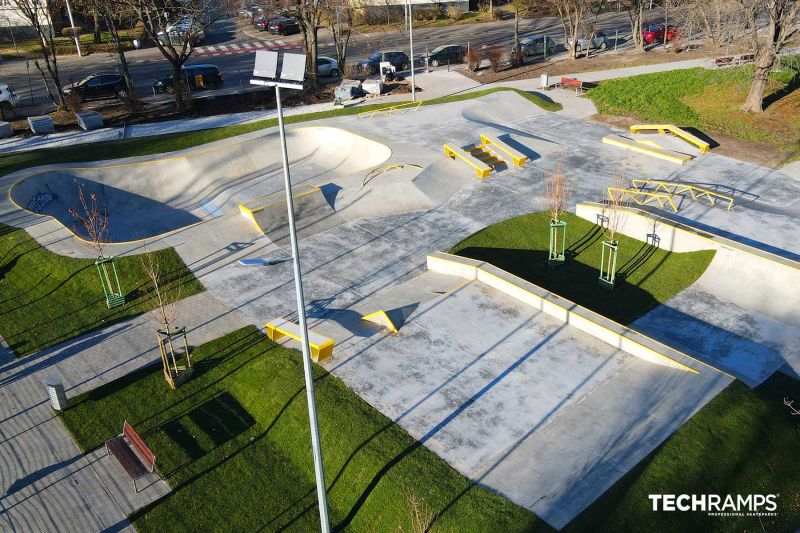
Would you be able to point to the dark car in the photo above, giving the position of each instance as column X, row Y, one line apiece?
column 444, row 55
column 283, row 26
column 399, row 61
column 97, row 86
column 197, row 76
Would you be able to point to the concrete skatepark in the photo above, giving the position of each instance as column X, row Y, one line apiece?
column 514, row 398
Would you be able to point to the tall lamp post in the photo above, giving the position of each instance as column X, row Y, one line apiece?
column 410, row 27
column 291, row 76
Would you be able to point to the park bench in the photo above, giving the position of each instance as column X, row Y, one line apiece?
column 132, row 453
column 577, row 84
column 321, row 346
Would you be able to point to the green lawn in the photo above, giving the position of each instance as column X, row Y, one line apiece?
column 647, row 276
column 709, row 100
column 177, row 141
column 46, row 298
column 235, row 447
column 744, row 442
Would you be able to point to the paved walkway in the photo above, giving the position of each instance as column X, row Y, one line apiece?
column 47, row 483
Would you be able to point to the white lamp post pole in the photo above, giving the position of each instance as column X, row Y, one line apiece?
column 292, row 75
column 411, row 45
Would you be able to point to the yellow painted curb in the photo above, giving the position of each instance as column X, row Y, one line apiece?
column 675, row 130
column 655, row 152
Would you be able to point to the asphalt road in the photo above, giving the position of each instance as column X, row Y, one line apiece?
column 231, row 47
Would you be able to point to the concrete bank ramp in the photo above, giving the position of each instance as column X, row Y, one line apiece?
column 313, row 214
column 741, row 315
column 152, row 195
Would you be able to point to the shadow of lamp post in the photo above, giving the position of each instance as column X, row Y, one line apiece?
column 288, row 72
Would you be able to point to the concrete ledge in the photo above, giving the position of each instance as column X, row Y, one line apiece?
column 6, row 130
column 598, row 326
column 41, row 124
column 89, row 120
column 622, row 142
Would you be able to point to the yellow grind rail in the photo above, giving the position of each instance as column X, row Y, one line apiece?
column 675, row 130
column 643, row 197
column 672, row 188
column 408, row 106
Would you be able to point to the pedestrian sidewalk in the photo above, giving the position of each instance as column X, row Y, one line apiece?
column 48, row 484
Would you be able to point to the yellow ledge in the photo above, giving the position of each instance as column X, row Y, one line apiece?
column 381, row 318
column 482, row 169
column 655, row 152
column 675, row 130
column 517, row 157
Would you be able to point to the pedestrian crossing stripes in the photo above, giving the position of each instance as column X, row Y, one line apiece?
column 228, row 49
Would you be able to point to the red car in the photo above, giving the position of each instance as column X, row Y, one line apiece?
column 655, row 33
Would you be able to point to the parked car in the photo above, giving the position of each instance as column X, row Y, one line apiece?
column 588, row 42
column 673, row 32
column 98, row 86
column 283, row 26
column 327, row 66
column 399, row 61
column 9, row 98
column 649, row 33
column 262, row 23
column 534, row 46
column 444, row 55
column 197, row 76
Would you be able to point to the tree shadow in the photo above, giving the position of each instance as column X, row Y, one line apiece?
column 788, row 89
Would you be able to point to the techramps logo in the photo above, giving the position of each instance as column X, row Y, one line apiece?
column 716, row 504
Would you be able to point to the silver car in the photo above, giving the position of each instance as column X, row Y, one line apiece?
column 534, row 46
column 327, row 66
column 597, row 40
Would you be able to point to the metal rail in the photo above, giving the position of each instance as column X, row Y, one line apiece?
column 407, row 106
column 672, row 188
column 643, row 197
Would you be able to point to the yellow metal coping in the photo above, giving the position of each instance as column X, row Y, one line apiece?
column 643, row 197
column 655, row 152
column 321, row 347
column 408, row 106
column 517, row 157
column 675, row 130
column 672, row 187
column 482, row 169
column 380, row 317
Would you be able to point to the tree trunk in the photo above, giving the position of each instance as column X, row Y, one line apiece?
column 123, row 62
column 179, row 86
column 518, row 58
column 755, row 98
column 96, row 20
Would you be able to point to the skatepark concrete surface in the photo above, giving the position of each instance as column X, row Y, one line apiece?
column 515, row 400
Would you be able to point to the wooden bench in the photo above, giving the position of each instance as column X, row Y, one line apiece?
column 577, row 84
column 321, row 346
column 132, row 453
column 723, row 61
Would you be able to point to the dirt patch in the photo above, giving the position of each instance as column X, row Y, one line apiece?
column 596, row 60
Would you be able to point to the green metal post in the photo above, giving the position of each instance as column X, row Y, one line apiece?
column 114, row 296
column 558, row 239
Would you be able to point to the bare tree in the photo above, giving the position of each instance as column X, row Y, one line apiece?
column 37, row 14
column 92, row 220
column 164, row 293
column 615, row 212
column 309, row 17
column 339, row 18
column 783, row 25
column 173, row 25
column 163, row 296
column 635, row 10
column 571, row 13
column 521, row 8
column 557, row 189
